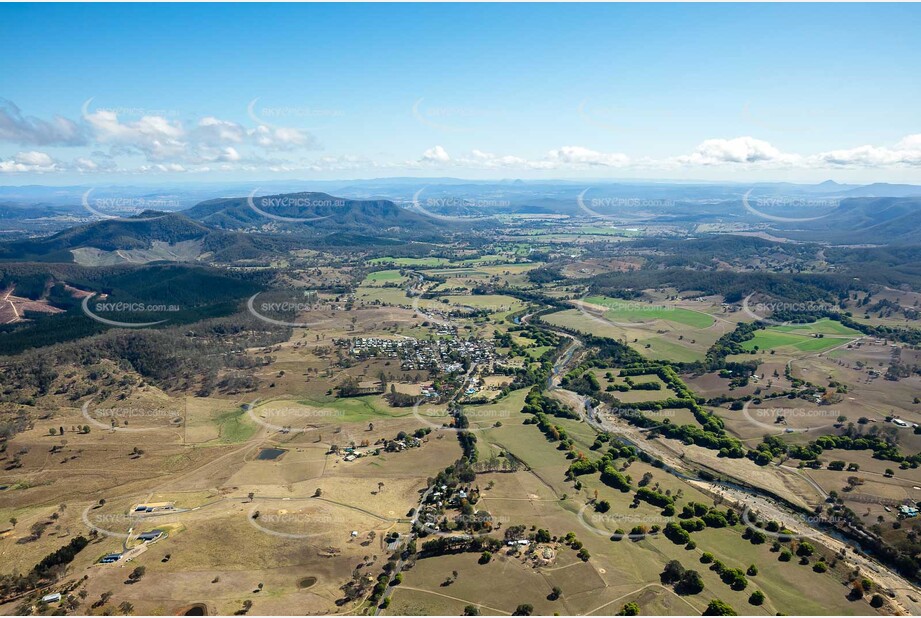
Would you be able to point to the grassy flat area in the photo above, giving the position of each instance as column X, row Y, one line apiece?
column 509, row 407
column 235, row 426
column 388, row 296
column 632, row 311
column 771, row 338
column 357, row 409
column 537, row 352
column 406, row 261
column 824, row 326
column 609, row 231
column 661, row 348
column 456, row 272
column 385, row 276
column 494, row 302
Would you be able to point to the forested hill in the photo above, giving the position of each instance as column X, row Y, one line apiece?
column 316, row 213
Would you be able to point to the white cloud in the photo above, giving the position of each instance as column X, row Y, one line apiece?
column 577, row 156
column 910, row 142
column 907, row 152
column 487, row 159
column 281, row 138
column 31, row 131
column 213, row 131
column 162, row 140
column 86, row 165
column 436, row 155
column 231, row 154
column 746, row 150
column 211, row 143
column 30, row 161
column 162, row 167
column 568, row 157
column 156, row 137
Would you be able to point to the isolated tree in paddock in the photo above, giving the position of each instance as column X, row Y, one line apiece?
column 719, row 608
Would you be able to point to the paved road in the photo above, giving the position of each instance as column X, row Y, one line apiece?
column 413, row 534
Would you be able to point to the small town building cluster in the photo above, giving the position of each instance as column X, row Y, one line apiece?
column 439, row 355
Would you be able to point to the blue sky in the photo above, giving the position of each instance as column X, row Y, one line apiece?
column 102, row 93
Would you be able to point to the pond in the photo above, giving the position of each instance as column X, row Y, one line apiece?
column 271, row 453
column 307, row 582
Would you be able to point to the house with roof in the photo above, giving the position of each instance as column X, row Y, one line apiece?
column 153, row 535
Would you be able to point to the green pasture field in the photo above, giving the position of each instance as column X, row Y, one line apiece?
column 633, row 311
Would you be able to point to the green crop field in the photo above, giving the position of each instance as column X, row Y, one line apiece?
column 357, row 409
column 823, row 326
column 773, row 338
column 385, row 276
column 406, row 261
column 633, row 311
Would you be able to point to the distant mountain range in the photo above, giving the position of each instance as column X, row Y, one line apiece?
column 232, row 229
column 315, row 213
column 148, row 237
column 240, row 228
column 862, row 220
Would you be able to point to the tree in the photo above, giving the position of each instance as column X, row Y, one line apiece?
column 805, row 549
column 691, row 583
column 719, row 608
column 672, row 572
column 471, row 610
column 630, row 609
column 555, row 594
column 756, row 598
column 857, row 590
column 125, row 607
column 137, row 573
column 734, row 578
column 525, row 609
column 485, row 557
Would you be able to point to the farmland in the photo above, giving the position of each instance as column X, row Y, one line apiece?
column 465, row 394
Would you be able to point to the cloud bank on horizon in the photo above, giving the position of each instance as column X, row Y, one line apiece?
column 168, row 145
